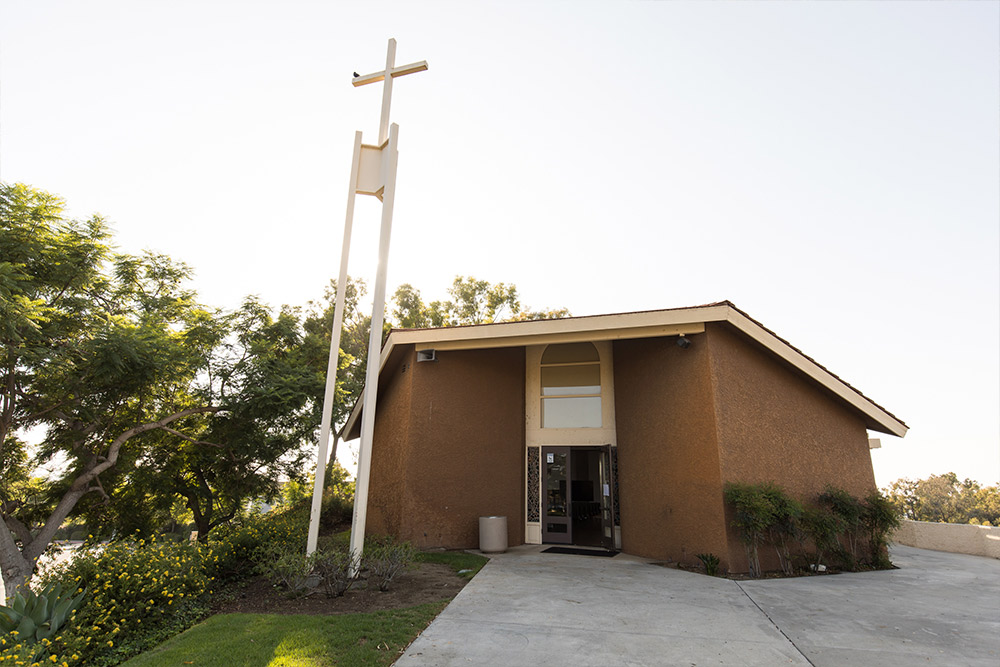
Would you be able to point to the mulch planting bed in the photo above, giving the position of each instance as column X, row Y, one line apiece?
column 423, row 582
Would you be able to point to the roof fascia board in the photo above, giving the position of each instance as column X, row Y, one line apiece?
column 598, row 327
column 613, row 327
column 594, row 323
column 569, row 337
column 881, row 419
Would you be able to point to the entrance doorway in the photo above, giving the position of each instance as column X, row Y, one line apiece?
column 578, row 503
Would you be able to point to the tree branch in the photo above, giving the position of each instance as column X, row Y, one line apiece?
column 37, row 415
column 82, row 484
column 189, row 438
column 97, row 486
column 19, row 529
column 221, row 520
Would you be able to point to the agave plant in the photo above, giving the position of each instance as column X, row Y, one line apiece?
column 38, row 616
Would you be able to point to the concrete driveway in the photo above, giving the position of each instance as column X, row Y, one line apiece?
column 526, row 607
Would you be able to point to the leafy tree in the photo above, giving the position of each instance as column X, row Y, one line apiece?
column 410, row 311
column 903, row 495
column 946, row 499
column 479, row 302
column 318, row 324
column 353, row 353
column 472, row 301
column 94, row 348
column 112, row 359
column 986, row 506
column 263, row 374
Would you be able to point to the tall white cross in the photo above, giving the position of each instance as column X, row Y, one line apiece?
column 388, row 74
column 373, row 172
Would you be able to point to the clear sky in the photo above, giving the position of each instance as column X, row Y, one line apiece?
column 833, row 168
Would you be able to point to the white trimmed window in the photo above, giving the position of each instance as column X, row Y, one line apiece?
column 571, row 386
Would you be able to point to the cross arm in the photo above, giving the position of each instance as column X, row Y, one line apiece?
column 409, row 69
column 396, row 71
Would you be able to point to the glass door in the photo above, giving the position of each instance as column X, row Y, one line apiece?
column 608, row 500
column 557, row 524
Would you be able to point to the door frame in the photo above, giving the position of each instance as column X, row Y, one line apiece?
column 608, row 499
column 556, row 537
column 605, row 481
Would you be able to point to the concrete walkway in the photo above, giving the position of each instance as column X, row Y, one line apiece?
column 526, row 607
column 936, row 609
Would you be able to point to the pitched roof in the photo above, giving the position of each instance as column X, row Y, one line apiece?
column 640, row 324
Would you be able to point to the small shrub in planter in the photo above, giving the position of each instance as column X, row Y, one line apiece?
column 754, row 515
column 711, row 563
column 784, row 528
column 849, row 510
column 336, row 510
column 338, row 570
column 233, row 547
column 288, row 568
column 338, row 498
column 384, row 559
column 879, row 517
column 822, row 526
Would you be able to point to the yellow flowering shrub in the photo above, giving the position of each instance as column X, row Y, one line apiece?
column 140, row 592
column 233, row 548
column 16, row 652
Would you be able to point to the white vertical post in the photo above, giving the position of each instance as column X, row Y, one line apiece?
column 379, row 179
column 390, row 61
column 374, row 353
column 331, row 368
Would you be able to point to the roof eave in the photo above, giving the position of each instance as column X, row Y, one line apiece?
column 608, row 326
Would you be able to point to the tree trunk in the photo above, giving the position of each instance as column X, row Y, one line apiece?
column 15, row 567
column 18, row 564
column 203, row 527
column 202, row 520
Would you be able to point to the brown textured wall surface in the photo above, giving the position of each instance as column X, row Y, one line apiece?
column 668, row 464
column 449, row 442
column 776, row 425
column 464, row 449
column 390, row 445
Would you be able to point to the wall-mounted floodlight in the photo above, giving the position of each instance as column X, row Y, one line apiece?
column 426, row 355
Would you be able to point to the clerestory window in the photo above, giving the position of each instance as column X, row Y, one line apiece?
column 571, row 386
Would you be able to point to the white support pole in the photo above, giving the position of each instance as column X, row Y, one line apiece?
column 374, row 355
column 331, row 368
column 390, row 61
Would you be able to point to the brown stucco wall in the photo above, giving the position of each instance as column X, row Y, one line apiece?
column 776, row 425
column 449, row 442
column 463, row 454
column 390, row 444
column 668, row 465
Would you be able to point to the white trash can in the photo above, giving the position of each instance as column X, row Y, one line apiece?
column 492, row 534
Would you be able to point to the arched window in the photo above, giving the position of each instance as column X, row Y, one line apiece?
column 571, row 386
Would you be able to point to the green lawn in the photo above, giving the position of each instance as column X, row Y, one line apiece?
column 465, row 565
column 274, row 640
column 271, row 640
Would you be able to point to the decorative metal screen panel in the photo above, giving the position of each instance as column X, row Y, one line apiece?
column 614, row 476
column 534, row 484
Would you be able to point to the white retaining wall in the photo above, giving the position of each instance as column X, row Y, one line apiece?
column 957, row 538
